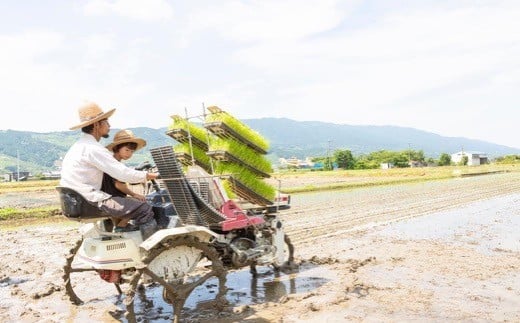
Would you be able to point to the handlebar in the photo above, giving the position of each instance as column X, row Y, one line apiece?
column 144, row 166
column 147, row 166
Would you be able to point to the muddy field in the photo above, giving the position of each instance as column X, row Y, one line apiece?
column 437, row 251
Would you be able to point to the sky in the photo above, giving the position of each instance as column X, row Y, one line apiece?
column 447, row 67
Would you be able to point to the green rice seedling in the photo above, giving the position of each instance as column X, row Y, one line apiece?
column 248, row 179
column 228, row 187
column 198, row 154
column 238, row 126
column 243, row 153
column 199, row 133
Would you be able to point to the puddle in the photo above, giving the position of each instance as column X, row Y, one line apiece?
column 7, row 281
column 488, row 226
column 243, row 289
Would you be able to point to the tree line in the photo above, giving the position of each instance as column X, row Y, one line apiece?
column 344, row 159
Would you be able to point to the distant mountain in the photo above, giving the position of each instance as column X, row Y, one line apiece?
column 37, row 152
column 311, row 138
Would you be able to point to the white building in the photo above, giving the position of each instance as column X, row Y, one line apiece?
column 296, row 163
column 387, row 165
column 475, row 158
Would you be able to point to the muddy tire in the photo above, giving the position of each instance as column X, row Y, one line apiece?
column 72, row 274
column 177, row 292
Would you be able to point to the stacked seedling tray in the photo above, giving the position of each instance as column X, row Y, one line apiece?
column 187, row 156
column 183, row 132
column 240, row 153
column 237, row 151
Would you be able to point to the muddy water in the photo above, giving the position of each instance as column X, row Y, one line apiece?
column 488, row 226
column 243, row 290
column 453, row 256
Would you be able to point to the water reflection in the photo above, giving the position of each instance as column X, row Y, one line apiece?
column 243, row 289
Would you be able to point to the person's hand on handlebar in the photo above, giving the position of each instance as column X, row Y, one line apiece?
column 151, row 176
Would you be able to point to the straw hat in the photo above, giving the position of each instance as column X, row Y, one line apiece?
column 124, row 136
column 90, row 113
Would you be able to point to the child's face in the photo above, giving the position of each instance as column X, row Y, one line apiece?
column 125, row 153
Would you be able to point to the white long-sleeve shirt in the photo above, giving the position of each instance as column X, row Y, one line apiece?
column 84, row 164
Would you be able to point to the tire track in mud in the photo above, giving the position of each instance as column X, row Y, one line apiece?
column 310, row 220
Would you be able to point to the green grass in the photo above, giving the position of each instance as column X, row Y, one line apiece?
column 351, row 179
column 10, row 213
column 29, row 186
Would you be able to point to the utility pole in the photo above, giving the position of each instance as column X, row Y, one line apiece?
column 17, row 165
column 409, row 154
column 328, row 155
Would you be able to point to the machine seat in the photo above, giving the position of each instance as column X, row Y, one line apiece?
column 76, row 207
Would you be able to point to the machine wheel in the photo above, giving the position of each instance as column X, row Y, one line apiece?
column 287, row 264
column 68, row 270
column 176, row 291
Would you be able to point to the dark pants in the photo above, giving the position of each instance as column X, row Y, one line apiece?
column 127, row 208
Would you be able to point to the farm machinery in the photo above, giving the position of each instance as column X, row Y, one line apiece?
column 199, row 234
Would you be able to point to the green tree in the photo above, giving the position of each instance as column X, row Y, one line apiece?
column 464, row 161
column 444, row 159
column 508, row 159
column 344, row 159
column 327, row 165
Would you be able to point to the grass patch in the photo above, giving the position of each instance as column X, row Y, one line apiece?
column 10, row 213
column 15, row 224
column 345, row 186
column 351, row 179
column 29, row 186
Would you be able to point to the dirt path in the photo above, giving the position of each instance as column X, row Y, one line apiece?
column 439, row 251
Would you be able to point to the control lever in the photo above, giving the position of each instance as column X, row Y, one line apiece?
column 146, row 166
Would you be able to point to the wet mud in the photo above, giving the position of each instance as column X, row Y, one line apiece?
column 438, row 251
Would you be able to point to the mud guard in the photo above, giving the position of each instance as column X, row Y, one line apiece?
column 201, row 232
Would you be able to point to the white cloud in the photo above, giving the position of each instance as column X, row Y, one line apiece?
column 402, row 56
column 146, row 10
column 28, row 45
column 259, row 20
column 423, row 64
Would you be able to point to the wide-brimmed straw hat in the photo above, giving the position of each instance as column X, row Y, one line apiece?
column 125, row 136
column 90, row 113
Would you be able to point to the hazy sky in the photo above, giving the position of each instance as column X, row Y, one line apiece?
column 448, row 67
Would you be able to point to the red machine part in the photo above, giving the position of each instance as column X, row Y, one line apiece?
column 236, row 217
column 111, row 276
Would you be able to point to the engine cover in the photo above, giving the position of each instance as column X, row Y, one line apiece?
column 114, row 254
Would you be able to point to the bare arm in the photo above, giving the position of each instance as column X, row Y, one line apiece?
column 123, row 187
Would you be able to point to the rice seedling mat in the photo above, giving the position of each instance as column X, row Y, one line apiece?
column 247, row 194
column 185, row 160
column 222, row 130
column 224, row 156
column 182, row 136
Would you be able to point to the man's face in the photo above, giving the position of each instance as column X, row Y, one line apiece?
column 104, row 128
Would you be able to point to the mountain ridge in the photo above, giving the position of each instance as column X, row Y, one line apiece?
column 38, row 151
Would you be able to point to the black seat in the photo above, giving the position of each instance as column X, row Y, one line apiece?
column 76, row 207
